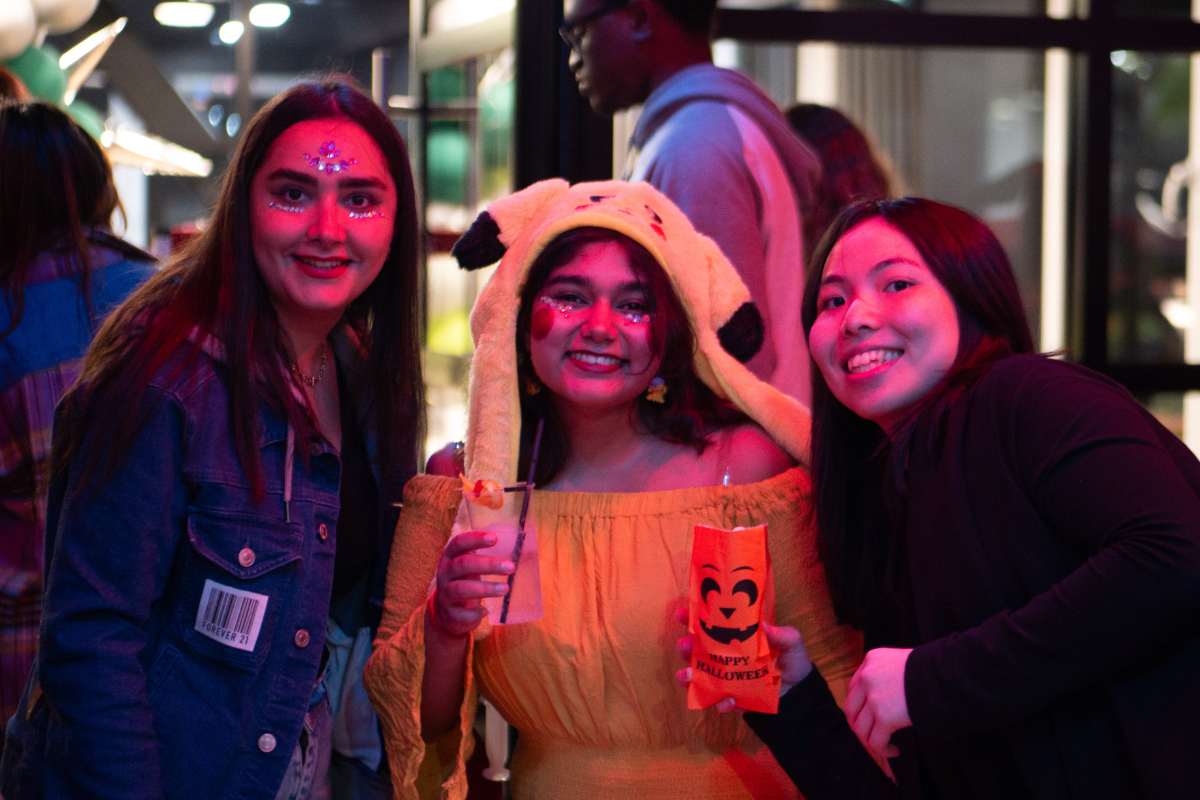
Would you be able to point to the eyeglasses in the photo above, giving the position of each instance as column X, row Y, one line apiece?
column 573, row 32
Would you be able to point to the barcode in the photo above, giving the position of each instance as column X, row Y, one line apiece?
column 224, row 606
column 230, row 616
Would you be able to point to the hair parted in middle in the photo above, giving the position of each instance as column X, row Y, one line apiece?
column 213, row 287
column 691, row 410
column 858, row 474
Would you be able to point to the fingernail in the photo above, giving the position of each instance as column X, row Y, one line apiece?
column 508, row 566
column 688, row 672
column 500, row 588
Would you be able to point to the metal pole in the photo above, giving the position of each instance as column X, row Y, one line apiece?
column 243, row 57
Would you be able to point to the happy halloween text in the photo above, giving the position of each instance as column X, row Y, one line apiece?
column 727, row 675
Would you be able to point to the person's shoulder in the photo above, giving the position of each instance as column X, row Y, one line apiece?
column 1036, row 379
column 1041, row 402
column 692, row 128
column 191, row 369
column 751, row 455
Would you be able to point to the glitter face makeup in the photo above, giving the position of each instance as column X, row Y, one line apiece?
column 327, row 159
column 590, row 339
column 321, row 236
column 569, row 307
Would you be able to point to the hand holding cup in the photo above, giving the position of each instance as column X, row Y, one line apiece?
column 457, row 606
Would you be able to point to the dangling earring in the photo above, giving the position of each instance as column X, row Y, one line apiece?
column 657, row 393
column 532, row 386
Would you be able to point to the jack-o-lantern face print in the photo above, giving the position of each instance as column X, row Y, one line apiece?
column 730, row 596
column 730, row 603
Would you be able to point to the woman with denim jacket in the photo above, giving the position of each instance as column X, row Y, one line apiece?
column 224, row 479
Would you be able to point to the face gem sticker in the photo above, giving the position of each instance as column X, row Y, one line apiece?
column 567, row 308
column 283, row 207
column 562, row 306
column 366, row 214
column 230, row 616
column 327, row 159
column 543, row 321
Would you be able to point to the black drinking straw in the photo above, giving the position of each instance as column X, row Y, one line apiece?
column 516, row 556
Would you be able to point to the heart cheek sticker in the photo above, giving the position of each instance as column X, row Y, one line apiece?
column 542, row 322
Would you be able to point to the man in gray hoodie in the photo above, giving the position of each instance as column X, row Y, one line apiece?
column 714, row 143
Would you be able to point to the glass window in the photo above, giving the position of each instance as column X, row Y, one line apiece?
column 961, row 126
column 1169, row 9
column 1148, row 310
column 989, row 7
column 468, row 164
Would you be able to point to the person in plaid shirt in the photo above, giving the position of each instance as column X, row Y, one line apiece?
column 61, row 271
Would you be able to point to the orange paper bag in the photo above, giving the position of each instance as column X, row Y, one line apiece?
column 731, row 594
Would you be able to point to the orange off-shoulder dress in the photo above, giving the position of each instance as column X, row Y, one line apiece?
column 591, row 686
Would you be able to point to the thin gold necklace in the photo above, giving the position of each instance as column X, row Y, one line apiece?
column 313, row 381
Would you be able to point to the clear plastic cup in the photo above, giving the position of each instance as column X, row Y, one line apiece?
column 523, row 601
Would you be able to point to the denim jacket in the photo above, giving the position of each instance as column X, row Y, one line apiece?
column 184, row 623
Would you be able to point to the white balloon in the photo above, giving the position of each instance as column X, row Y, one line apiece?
column 18, row 24
column 64, row 16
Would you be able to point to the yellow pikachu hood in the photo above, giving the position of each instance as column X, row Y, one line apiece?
column 726, row 324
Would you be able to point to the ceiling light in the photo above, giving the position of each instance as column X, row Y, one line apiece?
column 183, row 15
column 231, row 31
column 154, row 155
column 269, row 15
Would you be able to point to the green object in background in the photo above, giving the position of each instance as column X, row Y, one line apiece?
column 88, row 118
column 447, row 151
column 495, row 132
column 446, row 84
column 38, row 69
column 450, row 333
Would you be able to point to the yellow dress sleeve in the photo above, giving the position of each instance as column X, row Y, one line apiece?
column 802, row 594
column 435, row 769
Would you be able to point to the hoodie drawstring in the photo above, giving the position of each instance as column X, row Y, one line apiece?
column 289, row 459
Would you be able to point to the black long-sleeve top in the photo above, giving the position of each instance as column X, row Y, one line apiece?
column 1050, row 588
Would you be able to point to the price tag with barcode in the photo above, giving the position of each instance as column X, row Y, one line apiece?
column 230, row 616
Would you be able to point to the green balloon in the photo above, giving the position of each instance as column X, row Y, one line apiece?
column 38, row 69
column 88, row 118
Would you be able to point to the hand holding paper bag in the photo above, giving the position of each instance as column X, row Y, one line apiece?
column 731, row 595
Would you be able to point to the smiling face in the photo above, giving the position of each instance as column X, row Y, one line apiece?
column 886, row 331
column 322, row 211
column 590, row 338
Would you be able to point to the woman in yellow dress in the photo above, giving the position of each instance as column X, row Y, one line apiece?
column 610, row 319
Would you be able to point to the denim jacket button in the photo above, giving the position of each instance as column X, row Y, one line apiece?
column 266, row 743
column 315, row 449
column 302, row 638
column 246, row 557
column 323, row 531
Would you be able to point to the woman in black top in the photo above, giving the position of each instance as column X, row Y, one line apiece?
column 1018, row 539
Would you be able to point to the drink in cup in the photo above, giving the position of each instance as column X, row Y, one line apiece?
column 498, row 512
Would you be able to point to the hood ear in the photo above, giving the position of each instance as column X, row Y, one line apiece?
column 742, row 335
column 480, row 246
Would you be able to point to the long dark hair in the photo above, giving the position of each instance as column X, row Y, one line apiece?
column 691, row 411
column 858, row 474
column 55, row 181
column 214, row 287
